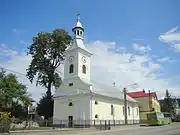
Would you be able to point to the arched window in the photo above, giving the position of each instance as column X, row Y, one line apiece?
column 123, row 110
column 71, row 68
column 112, row 109
column 129, row 111
column 84, row 69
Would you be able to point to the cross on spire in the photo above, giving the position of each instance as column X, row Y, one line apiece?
column 78, row 16
column 114, row 84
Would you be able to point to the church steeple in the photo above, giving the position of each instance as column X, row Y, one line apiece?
column 78, row 29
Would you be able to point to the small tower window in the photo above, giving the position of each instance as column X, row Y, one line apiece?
column 84, row 69
column 70, row 84
column 78, row 32
column 81, row 33
column 74, row 32
column 71, row 68
column 70, row 104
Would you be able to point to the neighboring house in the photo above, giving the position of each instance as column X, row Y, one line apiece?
column 79, row 99
column 148, row 102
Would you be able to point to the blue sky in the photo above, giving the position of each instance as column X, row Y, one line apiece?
column 124, row 22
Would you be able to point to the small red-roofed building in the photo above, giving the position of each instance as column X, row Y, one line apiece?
column 148, row 102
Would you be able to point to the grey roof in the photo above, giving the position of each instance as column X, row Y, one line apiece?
column 109, row 91
column 97, row 88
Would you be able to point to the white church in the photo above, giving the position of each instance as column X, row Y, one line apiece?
column 79, row 98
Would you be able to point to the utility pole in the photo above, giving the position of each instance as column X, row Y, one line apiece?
column 149, row 100
column 125, row 106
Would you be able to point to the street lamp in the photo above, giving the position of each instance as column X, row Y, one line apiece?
column 125, row 100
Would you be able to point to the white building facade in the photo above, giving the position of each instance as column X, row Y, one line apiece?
column 79, row 99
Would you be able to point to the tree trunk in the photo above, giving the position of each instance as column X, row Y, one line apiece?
column 49, row 90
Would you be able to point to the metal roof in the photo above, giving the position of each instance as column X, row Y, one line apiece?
column 109, row 91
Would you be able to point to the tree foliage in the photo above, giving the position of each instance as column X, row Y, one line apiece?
column 45, row 107
column 168, row 104
column 10, row 90
column 47, row 51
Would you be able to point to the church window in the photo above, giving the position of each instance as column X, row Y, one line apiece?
column 96, row 116
column 129, row 111
column 96, row 102
column 78, row 32
column 123, row 110
column 137, row 111
column 112, row 109
column 70, row 84
column 71, row 68
column 70, row 104
column 74, row 32
column 84, row 69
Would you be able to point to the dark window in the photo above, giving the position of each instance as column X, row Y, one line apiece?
column 129, row 111
column 74, row 32
column 96, row 102
column 70, row 104
column 70, row 84
column 71, row 68
column 96, row 116
column 112, row 110
column 78, row 32
column 137, row 111
column 84, row 69
column 123, row 110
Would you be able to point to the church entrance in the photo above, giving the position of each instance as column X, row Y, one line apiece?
column 70, row 122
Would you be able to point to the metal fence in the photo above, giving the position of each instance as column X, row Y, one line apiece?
column 46, row 124
column 87, row 123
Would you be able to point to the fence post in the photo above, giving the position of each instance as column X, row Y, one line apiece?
column 105, row 124
column 100, row 125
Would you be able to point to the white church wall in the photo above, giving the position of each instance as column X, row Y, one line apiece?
column 80, row 109
column 67, row 63
column 103, row 109
column 78, row 85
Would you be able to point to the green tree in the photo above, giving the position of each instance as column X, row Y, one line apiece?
column 47, row 51
column 11, row 90
column 19, row 110
column 168, row 104
column 45, row 107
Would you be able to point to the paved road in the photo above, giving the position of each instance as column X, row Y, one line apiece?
column 172, row 129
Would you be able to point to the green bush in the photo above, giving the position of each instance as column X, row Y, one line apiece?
column 5, row 122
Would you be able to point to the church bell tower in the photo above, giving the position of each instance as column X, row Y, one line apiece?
column 77, row 59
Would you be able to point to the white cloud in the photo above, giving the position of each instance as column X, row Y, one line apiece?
column 177, row 47
column 172, row 37
column 14, row 30
column 141, row 48
column 122, row 67
column 166, row 59
column 6, row 52
column 138, row 39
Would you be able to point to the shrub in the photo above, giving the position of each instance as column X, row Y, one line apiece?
column 5, row 122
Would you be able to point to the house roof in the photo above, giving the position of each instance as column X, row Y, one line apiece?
column 138, row 94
